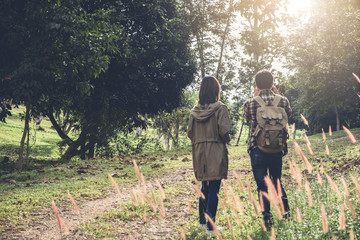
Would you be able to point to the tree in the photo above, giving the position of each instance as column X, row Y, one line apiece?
column 103, row 62
column 324, row 53
column 260, row 39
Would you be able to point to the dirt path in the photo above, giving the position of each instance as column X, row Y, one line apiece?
column 152, row 229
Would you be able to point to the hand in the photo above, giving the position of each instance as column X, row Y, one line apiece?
column 274, row 89
column 257, row 91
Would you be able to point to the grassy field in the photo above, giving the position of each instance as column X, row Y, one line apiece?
column 26, row 197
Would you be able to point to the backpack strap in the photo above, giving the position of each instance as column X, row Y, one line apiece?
column 276, row 100
column 260, row 101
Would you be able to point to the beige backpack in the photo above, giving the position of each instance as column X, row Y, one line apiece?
column 271, row 132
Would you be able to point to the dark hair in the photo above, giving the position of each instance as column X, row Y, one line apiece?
column 264, row 79
column 209, row 90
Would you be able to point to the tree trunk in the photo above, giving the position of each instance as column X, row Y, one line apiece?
column 337, row 117
column 237, row 142
column 20, row 161
column 226, row 31
column 91, row 147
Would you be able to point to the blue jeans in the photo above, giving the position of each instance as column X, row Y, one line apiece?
column 261, row 163
column 210, row 189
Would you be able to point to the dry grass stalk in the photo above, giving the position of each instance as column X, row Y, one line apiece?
column 308, row 192
column 356, row 77
column 330, row 130
column 116, row 186
column 57, row 215
column 346, row 189
column 288, row 127
column 249, row 238
column 143, row 183
column 333, row 237
column 61, row 223
column 189, row 206
column 298, row 215
column 271, row 190
column 214, row 227
column 293, row 128
column 308, row 144
column 262, row 224
column 162, row 192
column 252, row 200
column 304, row 120
column 230, row 226
column 273, row 204
column 325, row 225
column 359, row 95
column 272, row 236
column 319, row 178
column 151, row 203
column 342, row 219
column 182, row 234
column 237, row 203
column 352, row 208
column 134, row 197
column 162, row 208
column 351, row 235
column 262, row 201
column 280, row 194
column 145, row 215
column 322, row 171
column 154, row 198
column 327, row 150
column 241, row 185
column 333, row 186
column 141, row 197
column 350, row 135
column 357, row 186
column 303, row 157
column 74, row 203
column 226, row 194
column 137, row 171
column 323, row 134
column 222, row 203
column 197, row 190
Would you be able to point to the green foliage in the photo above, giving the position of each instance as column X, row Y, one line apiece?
column 323, row 52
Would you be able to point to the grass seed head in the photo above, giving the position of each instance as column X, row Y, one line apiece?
column 298, row 215
column 115, row 184
column 241, row 185
column 351, row 235
column 308, row 193
column 356, row 77
column 327, row 150
column 352, row 208
column 342, row 220
column 330, row 130
column 197, row 190
column 163, row 196
column 357, row 186
column 304, row 120
column 74, row 203
column 319, row 178
column 350, row 135
column 333, row 186
column 214, row 227
column 134, row 197
column 323, row 134
column 324, row 220
column 272, row 236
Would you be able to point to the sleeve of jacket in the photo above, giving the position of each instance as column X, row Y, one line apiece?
column 224, row 124
column 189, row 129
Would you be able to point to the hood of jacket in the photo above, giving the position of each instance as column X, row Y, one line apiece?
column 203, row 112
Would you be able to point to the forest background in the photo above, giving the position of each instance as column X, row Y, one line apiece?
column 89, row 87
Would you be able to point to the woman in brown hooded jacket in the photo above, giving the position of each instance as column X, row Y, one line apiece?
column 208, row 129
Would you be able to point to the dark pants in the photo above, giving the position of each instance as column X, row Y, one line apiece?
column 210, row 189
column 262, row 162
